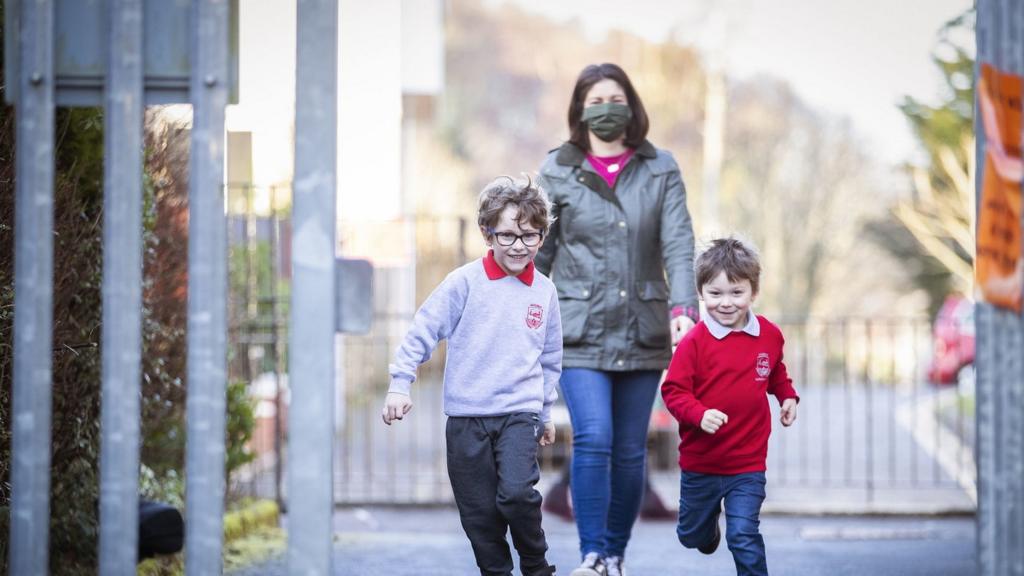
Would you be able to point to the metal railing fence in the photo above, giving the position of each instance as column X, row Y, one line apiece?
column 869, row 419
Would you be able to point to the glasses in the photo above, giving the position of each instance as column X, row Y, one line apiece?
column 530, row 239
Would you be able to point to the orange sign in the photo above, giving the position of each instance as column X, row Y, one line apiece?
column 999, row 268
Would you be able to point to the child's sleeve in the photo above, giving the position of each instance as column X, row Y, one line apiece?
column 677, row 390
column 551, row 357
column 780, row 384
column 434, row 321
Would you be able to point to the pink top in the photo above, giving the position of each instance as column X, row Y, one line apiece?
column 609, row 167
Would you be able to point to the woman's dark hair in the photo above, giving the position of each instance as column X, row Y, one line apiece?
column 579, row 135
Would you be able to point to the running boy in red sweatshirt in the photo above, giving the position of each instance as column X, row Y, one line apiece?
column 716, row 388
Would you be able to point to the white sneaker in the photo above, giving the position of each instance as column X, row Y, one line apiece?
column 592, row 566
column 614, row 566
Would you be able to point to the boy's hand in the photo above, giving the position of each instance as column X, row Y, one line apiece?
column 549, row 434
column 396, row 406
column 713, row 420
column 788, row 412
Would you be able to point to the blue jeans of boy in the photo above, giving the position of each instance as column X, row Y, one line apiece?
column 610, row 412
column 699, row 501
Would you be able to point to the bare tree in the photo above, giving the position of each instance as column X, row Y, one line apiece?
column 797, row 183
column 939, row 216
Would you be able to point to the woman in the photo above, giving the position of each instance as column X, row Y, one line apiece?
column 621, row 225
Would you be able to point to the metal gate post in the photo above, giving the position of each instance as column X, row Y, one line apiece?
column 1000, row 343
column 207, row 291
column 311, row 356
column 33, row 287
column 122, row 290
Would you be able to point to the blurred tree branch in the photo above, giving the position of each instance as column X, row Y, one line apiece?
column 940, row 215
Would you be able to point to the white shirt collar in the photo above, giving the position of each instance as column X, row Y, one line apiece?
column 752, row 327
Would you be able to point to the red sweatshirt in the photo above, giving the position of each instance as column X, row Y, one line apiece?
column 733, row 375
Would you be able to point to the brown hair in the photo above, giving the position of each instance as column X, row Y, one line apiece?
column 579, row 134
column 729, row 255
column 533, row 204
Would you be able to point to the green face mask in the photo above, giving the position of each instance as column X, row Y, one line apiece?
column 607, row 121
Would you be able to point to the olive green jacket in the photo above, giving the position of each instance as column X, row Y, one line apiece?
column 608, row 252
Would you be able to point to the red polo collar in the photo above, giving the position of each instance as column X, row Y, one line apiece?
column 494, row 272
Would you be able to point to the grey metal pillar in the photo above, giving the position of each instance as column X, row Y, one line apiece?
column 122, row 290
column 1000, row 352
column 33, row 288
column 207, row 291
column 311, row 357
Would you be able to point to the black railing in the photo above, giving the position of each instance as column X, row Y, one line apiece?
column 868, row 417
column 868, row 420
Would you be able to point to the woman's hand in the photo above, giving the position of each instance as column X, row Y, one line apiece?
column 679, row 326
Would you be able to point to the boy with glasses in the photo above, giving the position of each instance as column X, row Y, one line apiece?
column 500, row 317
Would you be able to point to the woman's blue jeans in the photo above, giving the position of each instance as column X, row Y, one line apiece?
column 700, row 500
column 610, row 412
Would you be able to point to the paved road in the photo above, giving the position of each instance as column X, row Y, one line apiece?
column 379, row 541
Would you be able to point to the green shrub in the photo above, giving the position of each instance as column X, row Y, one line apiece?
column 240, row 423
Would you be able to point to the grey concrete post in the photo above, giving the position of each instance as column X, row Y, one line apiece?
column 311, row 357
column 122, row 290
column 1000, row 349
column 207, row 291
column 33, row 289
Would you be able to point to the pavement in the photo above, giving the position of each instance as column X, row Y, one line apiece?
column 430, row 541
column 867, row 483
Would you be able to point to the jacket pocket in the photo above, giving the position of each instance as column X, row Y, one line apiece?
column 574, row 306
column 652, row 314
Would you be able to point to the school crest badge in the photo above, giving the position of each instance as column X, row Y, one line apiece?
column 534, row 316
column 762, row 367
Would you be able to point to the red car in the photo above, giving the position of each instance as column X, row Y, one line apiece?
column 953, row 340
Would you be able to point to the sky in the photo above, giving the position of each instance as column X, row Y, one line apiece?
column 853, row 58
column 849, row 58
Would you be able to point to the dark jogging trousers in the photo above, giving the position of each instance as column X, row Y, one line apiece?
column 492, row 464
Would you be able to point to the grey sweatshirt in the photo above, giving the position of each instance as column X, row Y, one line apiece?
column 504, row 342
